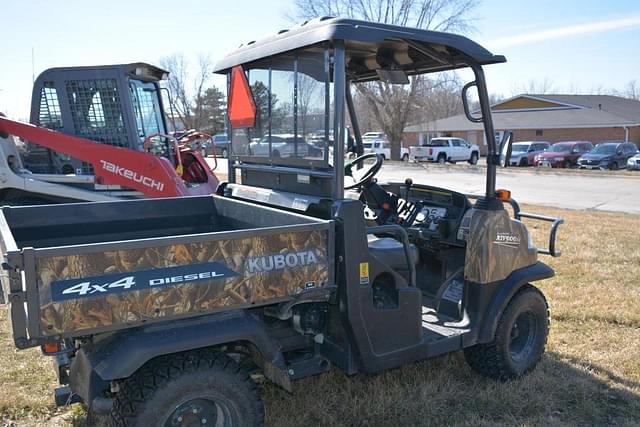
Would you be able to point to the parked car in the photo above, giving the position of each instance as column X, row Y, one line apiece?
column 563, row 154
column 377, row 142
column 219, row 145
column 608, row 155
column 318, row 138
column 282, row 145
column 523, row 153
column 633, row 163
column 447, row 149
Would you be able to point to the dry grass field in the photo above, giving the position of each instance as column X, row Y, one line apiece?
column 589, row 376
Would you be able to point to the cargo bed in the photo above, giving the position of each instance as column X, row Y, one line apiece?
column 79, row 269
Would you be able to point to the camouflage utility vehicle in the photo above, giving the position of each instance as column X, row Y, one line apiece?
column 157, row 312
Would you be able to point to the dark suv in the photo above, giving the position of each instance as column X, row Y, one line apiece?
column 608, row 155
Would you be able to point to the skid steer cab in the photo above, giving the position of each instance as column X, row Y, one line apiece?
column 300, row 261
column 100, row 133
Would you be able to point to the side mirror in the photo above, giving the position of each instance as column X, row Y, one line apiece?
column 505, row 148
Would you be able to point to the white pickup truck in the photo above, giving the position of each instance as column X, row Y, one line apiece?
column 443, row 150
column 377, row 142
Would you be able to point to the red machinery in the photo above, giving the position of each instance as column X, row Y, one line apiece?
column 100, row 133
column 152, row 175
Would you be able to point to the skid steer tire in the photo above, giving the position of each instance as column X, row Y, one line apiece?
column 193, row 388
column 519, row 341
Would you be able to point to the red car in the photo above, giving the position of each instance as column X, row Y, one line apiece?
column 563, row 154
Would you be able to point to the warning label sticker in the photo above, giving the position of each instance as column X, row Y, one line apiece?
column 364, row 273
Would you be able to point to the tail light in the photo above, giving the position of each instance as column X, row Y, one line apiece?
column 430, row 151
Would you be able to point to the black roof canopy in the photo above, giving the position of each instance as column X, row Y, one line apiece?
column 370, row 46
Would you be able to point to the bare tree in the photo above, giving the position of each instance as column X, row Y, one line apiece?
column 632, row 90
column 308, row 89
column 391, row 105
column 535, row 87
column 188, row 92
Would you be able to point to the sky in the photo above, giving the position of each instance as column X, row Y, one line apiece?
column 570, row 46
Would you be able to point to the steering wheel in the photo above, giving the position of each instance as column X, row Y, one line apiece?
column 369, row 172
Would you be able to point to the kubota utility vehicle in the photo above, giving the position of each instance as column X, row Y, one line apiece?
column 156, row 311
column 99, row 133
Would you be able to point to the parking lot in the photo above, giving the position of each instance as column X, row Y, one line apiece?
column 571, row 189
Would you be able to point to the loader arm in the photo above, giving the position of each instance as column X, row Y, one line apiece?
column 154, row 176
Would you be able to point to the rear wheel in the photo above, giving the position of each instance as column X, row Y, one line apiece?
column 188, row 389
column 442, row 158
column 474, row 158
column 519, row 341
column 567, row 164
column 405, row 157
column 614, row 166
column 524, row 162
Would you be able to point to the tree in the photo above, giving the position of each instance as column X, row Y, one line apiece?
column 391, row 105
column 191, row 102
column 214, row 105
column 632, row 90
column 308, row 89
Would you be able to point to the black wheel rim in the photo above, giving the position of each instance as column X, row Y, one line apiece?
column 203, row 411
column 523, row 336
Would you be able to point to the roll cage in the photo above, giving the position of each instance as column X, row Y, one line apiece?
column 336, row 53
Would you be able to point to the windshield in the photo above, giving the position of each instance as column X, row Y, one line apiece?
column 520, row 148
column 560, row 148
column 372, row 135
column 605, row 149
column 146, row 108
column 293, row 116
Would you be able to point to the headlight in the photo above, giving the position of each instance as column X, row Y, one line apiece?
column 630, row 161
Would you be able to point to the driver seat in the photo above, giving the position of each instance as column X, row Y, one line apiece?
column 391, row 252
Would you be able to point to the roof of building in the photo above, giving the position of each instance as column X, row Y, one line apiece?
column 428, row 50
column 555, row 111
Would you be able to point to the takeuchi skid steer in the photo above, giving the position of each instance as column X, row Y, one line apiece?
column 161, row 317
column 98, row 133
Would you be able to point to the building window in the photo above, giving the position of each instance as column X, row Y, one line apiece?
column 539, row 132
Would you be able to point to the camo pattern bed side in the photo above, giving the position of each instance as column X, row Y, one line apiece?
column 99, row 290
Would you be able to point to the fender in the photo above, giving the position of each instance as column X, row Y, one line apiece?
column 122, row 354
column 509, row 287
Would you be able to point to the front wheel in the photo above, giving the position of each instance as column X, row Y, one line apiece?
column 405, row 157
column 519, row 341
column 474, row 158
column 194, row 388
column 442, row 159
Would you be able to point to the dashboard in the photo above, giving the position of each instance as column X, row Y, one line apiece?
column 429, row 213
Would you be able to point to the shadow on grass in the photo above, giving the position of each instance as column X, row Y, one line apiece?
column 444, row 391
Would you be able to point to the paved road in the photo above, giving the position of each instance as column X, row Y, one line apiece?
column 565, row 189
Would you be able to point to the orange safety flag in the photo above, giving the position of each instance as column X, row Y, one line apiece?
column 242, row 107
